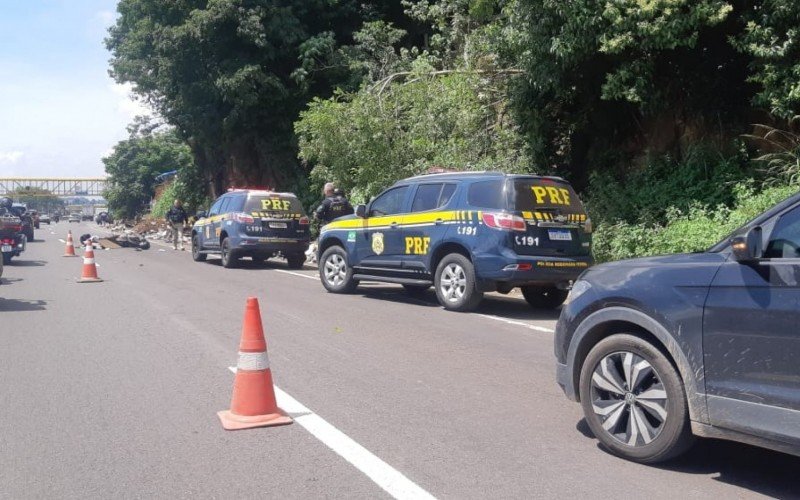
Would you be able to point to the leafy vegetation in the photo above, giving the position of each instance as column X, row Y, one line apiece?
column 135, row 162
column 642, row 105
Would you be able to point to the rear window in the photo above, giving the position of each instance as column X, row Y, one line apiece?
column 538, row 194
column 279, row 206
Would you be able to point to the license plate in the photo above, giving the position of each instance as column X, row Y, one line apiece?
column 559, row 235
column 277, row 225
column 6, row 248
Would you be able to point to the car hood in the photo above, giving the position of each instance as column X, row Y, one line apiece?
column 634, row 276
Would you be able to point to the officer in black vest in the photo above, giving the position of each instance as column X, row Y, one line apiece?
column 334, row 205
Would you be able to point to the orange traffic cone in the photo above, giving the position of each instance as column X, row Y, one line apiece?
column 253, row 403
column 69, row 251
column 89, row 274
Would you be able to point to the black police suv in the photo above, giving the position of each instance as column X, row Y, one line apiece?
column 658, row 350
column 465, row 233
column 255, row 223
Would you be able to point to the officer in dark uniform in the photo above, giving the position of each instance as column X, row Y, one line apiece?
column 176, row 217
column 334, row 205
column 5, row 205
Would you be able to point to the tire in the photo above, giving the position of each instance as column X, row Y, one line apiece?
column 455, row 283
column 7, row 258
column 196, row 255
column 416, row 289
column 229, row 258
column 541, row 297
column 659, row 429
column 295, row 261
column 335, row 274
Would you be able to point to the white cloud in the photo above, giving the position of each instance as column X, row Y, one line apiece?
column 128, row 104
column 10, row 156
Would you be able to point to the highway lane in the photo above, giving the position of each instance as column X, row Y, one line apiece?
column 114, row 388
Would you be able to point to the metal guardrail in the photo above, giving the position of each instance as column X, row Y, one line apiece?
column 55, row 186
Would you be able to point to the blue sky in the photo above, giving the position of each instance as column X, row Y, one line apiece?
column 60, row 112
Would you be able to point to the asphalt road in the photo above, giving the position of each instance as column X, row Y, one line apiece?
column 111, row 390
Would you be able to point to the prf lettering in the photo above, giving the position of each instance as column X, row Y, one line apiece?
column 556, row 196
column 275, row 204
column 417, row 245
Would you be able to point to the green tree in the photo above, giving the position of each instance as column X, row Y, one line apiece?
column 231, row 75
column 135, row 162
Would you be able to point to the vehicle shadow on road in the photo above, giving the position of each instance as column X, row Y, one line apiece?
column 8, row 281
column 762, row 471
column 15, row 305
column 515, row 308
column 27, row 263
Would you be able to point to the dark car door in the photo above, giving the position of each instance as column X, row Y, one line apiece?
column 424, row 226
column 751, row 339
column 210, row 236
column 379, row 246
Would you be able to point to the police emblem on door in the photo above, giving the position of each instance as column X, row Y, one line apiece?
column 377, row 243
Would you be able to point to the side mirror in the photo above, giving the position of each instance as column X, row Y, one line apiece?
column 361, row 211
column 747, row 248
column 200, row 214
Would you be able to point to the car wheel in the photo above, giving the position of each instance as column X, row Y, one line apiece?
column 542, row 297
column 335, row 274
column 456, row 287
column 416, row 289
column 634, row 400
column 229, row 260
column 196, row 255
column 296, row 261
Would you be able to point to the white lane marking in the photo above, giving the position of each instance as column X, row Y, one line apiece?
column 391, row 480
column 62, row 241
column 517, row 323
column 496, row 318
column 296, row 274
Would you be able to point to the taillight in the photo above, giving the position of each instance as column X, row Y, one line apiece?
column 587, row 226
column 504, row 221
column 243, row 218
column 304, row 221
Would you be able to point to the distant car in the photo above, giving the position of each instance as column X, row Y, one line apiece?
column 44, row 219
column 255, row 223
column 74, row 218
column 663, row 348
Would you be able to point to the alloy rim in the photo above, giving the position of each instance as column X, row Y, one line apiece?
column 453, row 283
column 629, row 398
column 335, row 270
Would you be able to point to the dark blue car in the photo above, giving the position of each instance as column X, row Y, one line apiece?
column 659, row 350
column 252, row 223
column 464, row 233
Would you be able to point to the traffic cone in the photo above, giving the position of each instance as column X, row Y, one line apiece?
column 253, row 403
column 69, row 251
column 89, row 274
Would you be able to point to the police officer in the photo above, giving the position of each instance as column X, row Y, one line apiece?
column 176, row 217
column 334, row 205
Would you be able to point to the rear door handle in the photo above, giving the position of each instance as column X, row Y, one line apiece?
column 393, row 225
column 438, row 221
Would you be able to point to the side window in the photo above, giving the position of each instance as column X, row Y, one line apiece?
column 389, row 203
column 487, row 194
column 214, row 210
column 225, row 204
column 432, row 196
column 236, row 204
column 447, row 192
column 426, row 197
column 784, row 243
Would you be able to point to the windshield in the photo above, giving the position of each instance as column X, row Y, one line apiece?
column 545, row 194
